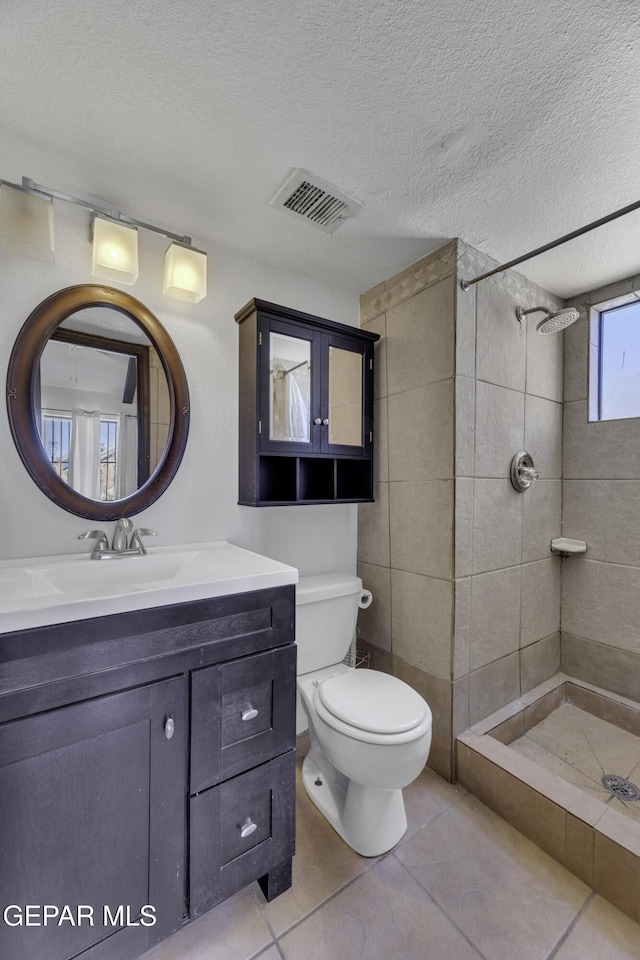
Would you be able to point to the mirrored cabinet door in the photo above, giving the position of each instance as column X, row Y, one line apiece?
column 289, row 388
column 345, row 397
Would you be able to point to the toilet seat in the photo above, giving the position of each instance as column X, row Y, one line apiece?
column 372, row 707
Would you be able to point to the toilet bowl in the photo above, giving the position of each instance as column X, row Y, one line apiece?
column 370, row 732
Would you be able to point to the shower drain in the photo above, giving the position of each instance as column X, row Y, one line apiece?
column 620, row 787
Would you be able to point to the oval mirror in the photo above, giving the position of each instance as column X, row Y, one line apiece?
column 98, row 402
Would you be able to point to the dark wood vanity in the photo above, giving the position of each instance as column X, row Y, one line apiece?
column 146, row 759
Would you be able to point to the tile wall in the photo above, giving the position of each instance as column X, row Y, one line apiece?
column 467, row 595
column 406, row 538
column 601, row 494
column 507, row 583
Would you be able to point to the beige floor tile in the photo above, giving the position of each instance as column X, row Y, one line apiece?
column 235, row 930
column 601, row 933
column 383, row 914
column 323, row 863
column 507, row 896
column 271, row 954
column 427, row 796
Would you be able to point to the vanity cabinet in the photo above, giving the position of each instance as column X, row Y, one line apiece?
column 147, row 759
column 93, row 813
column 306, row 408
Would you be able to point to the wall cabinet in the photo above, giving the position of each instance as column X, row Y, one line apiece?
column 145, row 759
column 306, row 408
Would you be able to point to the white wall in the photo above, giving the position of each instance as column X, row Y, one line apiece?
column 201, row 503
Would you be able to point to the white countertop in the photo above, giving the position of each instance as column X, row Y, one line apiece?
column 38, row 591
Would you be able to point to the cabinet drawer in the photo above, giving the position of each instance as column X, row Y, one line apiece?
column 240, row 830
column 242, row 713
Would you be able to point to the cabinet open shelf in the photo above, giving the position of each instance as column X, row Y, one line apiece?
column 291, row 480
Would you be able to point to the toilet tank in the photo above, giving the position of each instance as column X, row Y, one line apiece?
column 326, row 613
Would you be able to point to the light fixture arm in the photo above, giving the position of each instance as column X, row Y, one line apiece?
column 112, row 212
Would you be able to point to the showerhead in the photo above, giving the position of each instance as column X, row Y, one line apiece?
column 553, row 322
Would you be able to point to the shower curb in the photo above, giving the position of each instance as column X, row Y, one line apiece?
column 596, row 843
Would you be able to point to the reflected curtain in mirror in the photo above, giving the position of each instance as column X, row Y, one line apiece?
column 84, row 474
column 290, row 388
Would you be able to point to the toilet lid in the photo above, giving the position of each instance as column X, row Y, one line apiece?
column 373, row 701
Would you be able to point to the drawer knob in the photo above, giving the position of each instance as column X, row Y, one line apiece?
column 169, row 727
column 248, row 827
column 249, row 713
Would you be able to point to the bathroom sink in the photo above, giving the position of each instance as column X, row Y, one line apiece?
column 38, row 591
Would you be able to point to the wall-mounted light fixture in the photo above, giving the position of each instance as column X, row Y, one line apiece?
column 26, row 223
column 115, row 250
column 26, row 228
column 185, row 273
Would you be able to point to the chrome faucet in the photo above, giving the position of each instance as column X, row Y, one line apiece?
column 101, row 545
column 120, row 541
column 127, row 541
column 136, row 543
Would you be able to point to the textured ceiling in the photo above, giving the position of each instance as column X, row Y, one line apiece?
column 504, row 122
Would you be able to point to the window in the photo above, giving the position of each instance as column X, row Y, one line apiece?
column 57, row 431
column 57, row 442
column 108, row 458
column 614, row 362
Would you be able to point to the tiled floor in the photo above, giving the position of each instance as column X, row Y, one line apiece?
column 581, row 748
column 461, row 885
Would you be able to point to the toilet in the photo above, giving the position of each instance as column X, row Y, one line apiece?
column 370, row 732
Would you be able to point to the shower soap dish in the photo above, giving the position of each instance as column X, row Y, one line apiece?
column 568, row 548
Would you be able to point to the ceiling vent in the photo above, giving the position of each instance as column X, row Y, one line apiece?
column 322, row 204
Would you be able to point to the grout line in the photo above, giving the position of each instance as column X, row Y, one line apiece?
column 374, row 861
column 573, row 923
column 265, row 949
column 441, row 910
column 260, row 906
column 332, row 896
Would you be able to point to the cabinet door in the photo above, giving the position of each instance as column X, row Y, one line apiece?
column 93, row 801
column 289, row 387
column 346, row 396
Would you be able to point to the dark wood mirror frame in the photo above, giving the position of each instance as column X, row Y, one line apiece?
column 23, row 368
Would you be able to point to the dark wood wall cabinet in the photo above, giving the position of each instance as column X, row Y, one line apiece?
column 306, row 408
column 146, row 761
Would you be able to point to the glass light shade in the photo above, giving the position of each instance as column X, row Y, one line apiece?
column 115, row 251
column 185, row 273
column 26, row 224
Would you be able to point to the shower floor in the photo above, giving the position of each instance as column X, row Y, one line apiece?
column 582, row 748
